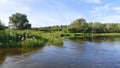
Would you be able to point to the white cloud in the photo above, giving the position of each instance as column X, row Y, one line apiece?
column 3, row 1
column 117, row 9
column 109, row 19
column 106, row 13
column 19, row 7
column 61, row 14
column 14, row 6
column 8, row 7
column 53, row 18
column 101, row 9
column 93, row 1
column 42, row 19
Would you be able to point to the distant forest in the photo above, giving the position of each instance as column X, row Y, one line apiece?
column 19, row 21
column 81, row 26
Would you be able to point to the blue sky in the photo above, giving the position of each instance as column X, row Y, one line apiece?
column 61, row 12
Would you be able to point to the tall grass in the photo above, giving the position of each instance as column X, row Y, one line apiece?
column 29, row 38
column 17, row 38
column 54, row 38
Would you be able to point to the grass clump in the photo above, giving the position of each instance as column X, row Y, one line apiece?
column 32, row 43
column 10, row 39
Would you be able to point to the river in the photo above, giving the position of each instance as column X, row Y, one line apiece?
column 97, row 52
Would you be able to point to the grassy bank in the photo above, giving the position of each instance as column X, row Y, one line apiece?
column 54, row 38
column 88, row 34
column 29, row 38
column 10, row 38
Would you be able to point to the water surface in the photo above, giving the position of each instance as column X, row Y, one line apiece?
column 97, row 52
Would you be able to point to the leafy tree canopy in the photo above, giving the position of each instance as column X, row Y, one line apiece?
column 19, row 21
column 2, row 27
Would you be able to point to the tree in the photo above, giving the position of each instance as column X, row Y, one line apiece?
column 78, row 25
column 19, row 21
column 2, row 27
column 97, row 27
column 89, row 27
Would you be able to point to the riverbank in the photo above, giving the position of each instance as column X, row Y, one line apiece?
column 17, row 38
column 88, row 34
column 30, row 38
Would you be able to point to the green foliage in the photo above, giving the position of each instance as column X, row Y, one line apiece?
column 78, row 25
column 54, row 38
column 32, row 43
column 50, row 28
column 2, row 27
column 81, row 26
column 97, row 27
column 51, row 34
column 21, row 39
column 19, row 21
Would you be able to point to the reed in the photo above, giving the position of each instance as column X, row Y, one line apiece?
column 10, row 39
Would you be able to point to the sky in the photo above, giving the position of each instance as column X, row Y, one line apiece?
column 61, row 12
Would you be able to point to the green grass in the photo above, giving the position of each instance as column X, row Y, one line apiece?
column 29, row 38
column 54, row 38
column 9, row 39
column 88, row 34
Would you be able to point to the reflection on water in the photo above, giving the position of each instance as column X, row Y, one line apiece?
column 15, row 52
column 97, row 52
column 97, row 39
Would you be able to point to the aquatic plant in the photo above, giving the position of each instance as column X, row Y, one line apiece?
column 9, row 39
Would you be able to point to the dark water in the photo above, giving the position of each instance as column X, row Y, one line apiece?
column 99, row 52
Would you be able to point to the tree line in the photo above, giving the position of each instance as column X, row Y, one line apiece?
column 19, row 21
column 81, row 26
